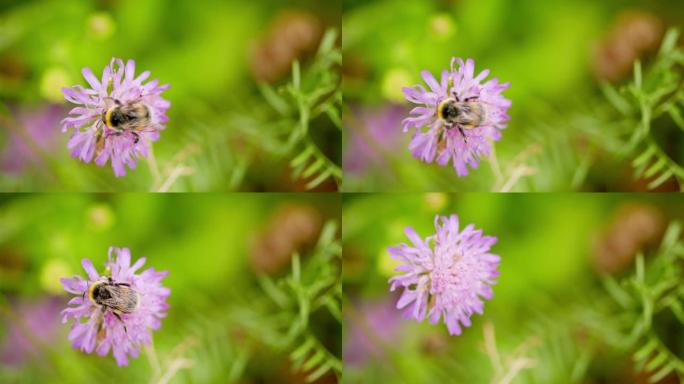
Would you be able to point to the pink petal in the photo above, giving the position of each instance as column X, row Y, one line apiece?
column 90, row 270
column 91, row 79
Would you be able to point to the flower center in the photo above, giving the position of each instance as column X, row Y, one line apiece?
column 446, row 270
column 441, row 279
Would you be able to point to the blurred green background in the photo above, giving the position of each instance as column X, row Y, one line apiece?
column 555, row 54
column 549, row 305
column 214, row 54
column 221, row 252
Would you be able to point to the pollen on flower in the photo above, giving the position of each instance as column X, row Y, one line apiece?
column 477, row 114
column 116, row 310
column 123, row 143
column 447, row 275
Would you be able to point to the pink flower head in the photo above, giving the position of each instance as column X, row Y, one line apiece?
column 36, row 322
column 446, row 275
column 102, row 330
column 446, row 141
column 92, row 138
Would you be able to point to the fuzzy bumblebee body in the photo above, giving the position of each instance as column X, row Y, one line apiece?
column 119, row 297
column 468, row 114
column 127, row 117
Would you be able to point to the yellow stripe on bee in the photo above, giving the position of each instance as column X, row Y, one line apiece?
column 440, row 108
column 108, row 117
column 91, row 288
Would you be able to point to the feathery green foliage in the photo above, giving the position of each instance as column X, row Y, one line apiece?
column 310, row 102
column 278, row 317
column 281, row 317
column 649, row 301
column 653, row 94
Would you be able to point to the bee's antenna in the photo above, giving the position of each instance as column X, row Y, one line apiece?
column 87, row 289
column 116, row 101
column 122, row 322
column 465, row 138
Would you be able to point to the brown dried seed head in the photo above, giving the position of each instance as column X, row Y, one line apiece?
column 634, row 227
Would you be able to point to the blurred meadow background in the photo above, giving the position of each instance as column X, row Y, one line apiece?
column 596, row 86
column 255, row 286
column 255, row 98
column 590, row 291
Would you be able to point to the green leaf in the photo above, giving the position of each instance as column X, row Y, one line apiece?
column 669, row 41
column 313, row 167
column 334, row 115
column 676, row 115
column 646, row 350
column 275, row 293
column 660, row 180
column 327, row 42
column 671, row 237
column 334, row 308
column 637, row 75
column 238, row 366
column 662, row 372
column 301, row 351
column 296, row 75
column 328, row 233
column 314, row 360
column 645, row 156
column 640, row 268
column 619, row 294
column 656, row 361
column 615, row 99
column 319, row 179
column 655, row 167
column 273, row 99
column 302, row 157
column 296, row 268
column 323, row 369
column 677, row 310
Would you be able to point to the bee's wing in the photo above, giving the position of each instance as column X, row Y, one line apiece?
column 122, row 298
column 99, row 324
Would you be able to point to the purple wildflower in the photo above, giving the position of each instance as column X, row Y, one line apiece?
column 92, row 138
column 37, row 134
column 35, row 325
column 102, row 329
column 446, row 275
column 376, row 324
column 462, row 144
column 373, row 130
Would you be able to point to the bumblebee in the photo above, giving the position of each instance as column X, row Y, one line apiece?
column 131, row 117
column 466, row 114
column 118, row 298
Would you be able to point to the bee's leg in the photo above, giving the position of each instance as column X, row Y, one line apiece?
column 446, row 129
column 87, row 289
column 137, row 137
column 100, row 335
column 124, row 284
column 109, row 100
column 121, row 320
column 465, row 138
